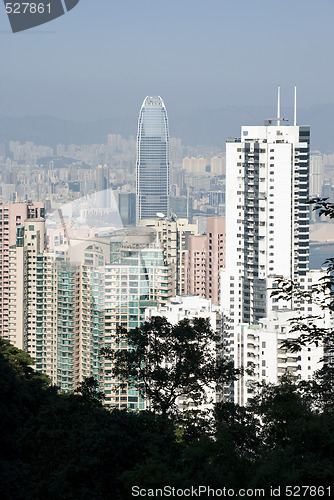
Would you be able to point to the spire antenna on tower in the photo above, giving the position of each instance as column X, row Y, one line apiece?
column 295, row 107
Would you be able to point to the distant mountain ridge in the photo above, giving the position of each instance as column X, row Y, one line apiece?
column 208, row 127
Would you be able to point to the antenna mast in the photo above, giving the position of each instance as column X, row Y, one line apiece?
column 295, row 108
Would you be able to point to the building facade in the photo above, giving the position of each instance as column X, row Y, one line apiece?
column 267, row 216
column 127, row 208
column 316, row 173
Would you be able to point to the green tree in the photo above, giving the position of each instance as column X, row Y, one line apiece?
column 297, row 445
column 66, row 446
column 61, row 446
column 166, row 362
column 89, row 390
column 22, row 392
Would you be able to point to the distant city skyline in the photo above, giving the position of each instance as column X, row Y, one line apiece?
column 98, row 60
column 206, row 128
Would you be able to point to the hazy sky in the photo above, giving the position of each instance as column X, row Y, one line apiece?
column 101, row 59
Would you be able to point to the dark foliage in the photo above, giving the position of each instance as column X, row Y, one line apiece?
column 57, row 446
column 166, row 362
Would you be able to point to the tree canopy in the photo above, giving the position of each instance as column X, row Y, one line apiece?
column 61, row 446
column 170, row 363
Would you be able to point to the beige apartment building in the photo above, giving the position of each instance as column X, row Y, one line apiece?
column 204, row 260
column 11, row 216
column 173, row 234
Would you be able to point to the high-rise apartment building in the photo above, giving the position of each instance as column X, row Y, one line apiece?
column 217, row 165
column 136, row 278
column 258, row 347
column 195, row 165
column 66, row 302
column 25, row 292
column 56, row 309
column 204, row 259
column 267, row 215
column 203, row 166
column 11, row 216
column 267, row 224
column 152, row 167
column 173, row 234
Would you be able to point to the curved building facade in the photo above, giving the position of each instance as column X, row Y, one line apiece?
column 152, row 167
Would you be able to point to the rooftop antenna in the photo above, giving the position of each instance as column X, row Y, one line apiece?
column 295, row 108
column 278, row 119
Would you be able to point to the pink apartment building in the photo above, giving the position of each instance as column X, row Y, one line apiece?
column 204, row 259
column 11, row 216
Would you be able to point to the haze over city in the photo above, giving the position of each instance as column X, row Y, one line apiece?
column 100, row 59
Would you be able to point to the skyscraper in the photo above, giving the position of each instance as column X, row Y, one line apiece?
column 267, row 237
column 267, row 215
column 152, row 167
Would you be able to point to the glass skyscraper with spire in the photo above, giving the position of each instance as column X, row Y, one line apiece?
column 152, row 167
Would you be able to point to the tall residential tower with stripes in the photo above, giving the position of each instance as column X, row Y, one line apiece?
column 267, row 228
